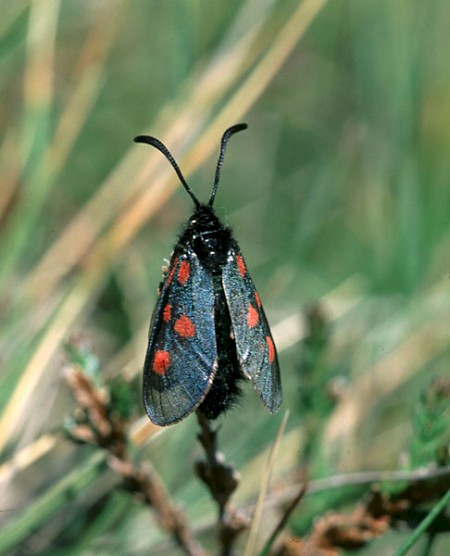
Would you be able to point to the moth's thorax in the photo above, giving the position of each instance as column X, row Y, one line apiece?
column 208, row 237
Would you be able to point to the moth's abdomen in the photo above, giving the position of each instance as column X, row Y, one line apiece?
column 225, row 390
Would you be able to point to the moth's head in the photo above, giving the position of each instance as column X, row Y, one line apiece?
column 208, row 237
column 204, row 219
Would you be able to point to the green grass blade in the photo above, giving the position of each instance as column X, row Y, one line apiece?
column 421, row 529
column 39, row 512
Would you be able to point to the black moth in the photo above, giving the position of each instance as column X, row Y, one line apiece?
column 208, row 331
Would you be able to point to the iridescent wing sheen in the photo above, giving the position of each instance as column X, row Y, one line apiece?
column 254, row 343
column 181, row 357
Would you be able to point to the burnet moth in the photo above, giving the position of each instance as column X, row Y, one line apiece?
column 208, row 331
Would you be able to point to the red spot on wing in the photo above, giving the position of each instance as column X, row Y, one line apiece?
column 252, row 316
column 185, row 327
column 241, row 265
column 167, row 312
column 184, row 272
column 172, row 271
column 258, row 300
column 161, row 362
column 271, row 348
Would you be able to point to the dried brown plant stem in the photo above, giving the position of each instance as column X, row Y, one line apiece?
column 143, row 481
column 97, row 424
column 222, row 480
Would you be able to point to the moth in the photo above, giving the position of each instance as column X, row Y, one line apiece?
column 208, row 331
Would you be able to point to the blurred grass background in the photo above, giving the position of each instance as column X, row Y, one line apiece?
column 338, row 195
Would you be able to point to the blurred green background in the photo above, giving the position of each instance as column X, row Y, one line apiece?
column 338, row 195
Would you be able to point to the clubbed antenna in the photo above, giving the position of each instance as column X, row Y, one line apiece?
column 223, row 146
column 161, row 147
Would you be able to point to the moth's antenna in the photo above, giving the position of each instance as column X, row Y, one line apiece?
column 161, row 147
column 223, row 145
